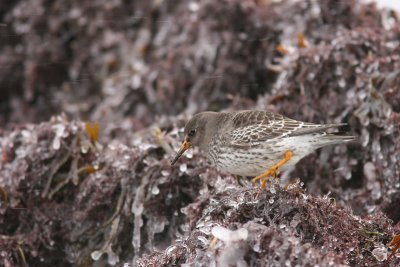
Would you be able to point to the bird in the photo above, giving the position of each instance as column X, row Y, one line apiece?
column 256, row 143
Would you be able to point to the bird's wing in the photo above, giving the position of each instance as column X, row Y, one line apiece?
column 251, row 128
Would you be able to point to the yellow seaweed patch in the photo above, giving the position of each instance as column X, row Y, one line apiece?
column 92, row 130
column 3, row 195
column 90, row 169
column 282, row 49
column 394, row 245
column 301, row 40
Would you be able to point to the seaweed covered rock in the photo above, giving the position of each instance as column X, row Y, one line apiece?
column 280, row 227
column 353, row 79
column 67, row 199
column 68, row 196
column 65, row 193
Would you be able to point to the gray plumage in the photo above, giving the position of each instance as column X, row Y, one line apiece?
column 249, row 142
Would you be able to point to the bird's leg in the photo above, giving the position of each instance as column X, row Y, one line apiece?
column 273, row 171
column 239, row 180
column 213, row 242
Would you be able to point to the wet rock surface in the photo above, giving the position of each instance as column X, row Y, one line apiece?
column 86, row 194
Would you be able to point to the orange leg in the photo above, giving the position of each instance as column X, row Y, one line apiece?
column 273, row 171
column 213, row 242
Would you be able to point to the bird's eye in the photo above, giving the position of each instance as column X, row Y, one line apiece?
column 192, row 133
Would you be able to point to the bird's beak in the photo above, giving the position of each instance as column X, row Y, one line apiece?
column 185, row 146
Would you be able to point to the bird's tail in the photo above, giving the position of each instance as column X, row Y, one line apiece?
column 334, row 139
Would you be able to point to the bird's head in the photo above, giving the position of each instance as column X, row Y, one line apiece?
column 198, row 132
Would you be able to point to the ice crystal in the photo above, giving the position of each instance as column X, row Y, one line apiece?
column 380, row 253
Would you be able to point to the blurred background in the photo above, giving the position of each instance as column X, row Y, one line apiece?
column 139, row 59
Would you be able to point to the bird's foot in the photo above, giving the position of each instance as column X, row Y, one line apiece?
column 264, row 177
column 273, row 171
column 213, row 242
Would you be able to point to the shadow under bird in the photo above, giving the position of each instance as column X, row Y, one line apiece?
column 255, row 143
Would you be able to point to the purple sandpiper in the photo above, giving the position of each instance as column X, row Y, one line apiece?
column 256, row 143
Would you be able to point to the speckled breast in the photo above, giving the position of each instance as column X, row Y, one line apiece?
column 242, row 161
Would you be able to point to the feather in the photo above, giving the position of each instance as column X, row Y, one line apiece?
column 254, row 127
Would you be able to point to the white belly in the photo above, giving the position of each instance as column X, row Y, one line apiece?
column 256, row 160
